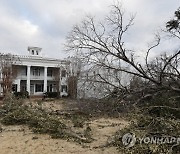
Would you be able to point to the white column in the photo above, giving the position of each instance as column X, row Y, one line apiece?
column 0, row 90
column 19, row 85
column 45, row 79
column 59, row 81
column 28, row 78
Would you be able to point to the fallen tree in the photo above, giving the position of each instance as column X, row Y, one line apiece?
column 103, row 50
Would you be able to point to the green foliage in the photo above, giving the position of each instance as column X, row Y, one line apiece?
column 38, row 120
column 164, row 104
column 148, row 126
column 78, row 121
column 157, row 116
column 16, row 112
column 164, row 111
column 110, row 107
column 10, row 103
column 51, row 95
column 173, row 26
column 23, row 94
column 18, row 116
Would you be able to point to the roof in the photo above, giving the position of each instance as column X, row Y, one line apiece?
column 40, row 61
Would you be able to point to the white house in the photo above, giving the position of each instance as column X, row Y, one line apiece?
column 37, row 74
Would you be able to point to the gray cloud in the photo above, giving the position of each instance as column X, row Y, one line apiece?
column 47, row 23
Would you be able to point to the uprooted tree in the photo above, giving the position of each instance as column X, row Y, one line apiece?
column 102, row 47
column 8, row 71
column 154, row 83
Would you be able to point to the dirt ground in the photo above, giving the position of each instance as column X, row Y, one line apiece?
column 20, row 140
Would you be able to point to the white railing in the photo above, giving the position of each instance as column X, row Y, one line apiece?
column 32, row 77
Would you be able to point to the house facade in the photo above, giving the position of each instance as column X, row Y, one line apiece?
column 37, row 74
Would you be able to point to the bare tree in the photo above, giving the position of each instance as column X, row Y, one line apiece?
column 102, row 46
column 8, row 71
column 56, row 73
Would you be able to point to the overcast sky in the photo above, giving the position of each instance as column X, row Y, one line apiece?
column 46, row 23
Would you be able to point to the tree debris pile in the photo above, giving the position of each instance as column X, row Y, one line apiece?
column 15, row 112
column 156, row 118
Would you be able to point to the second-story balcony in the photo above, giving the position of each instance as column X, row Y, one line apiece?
column 38, row 73
column 35, row 77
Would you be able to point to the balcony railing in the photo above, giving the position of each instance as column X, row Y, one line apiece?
column 33, row 77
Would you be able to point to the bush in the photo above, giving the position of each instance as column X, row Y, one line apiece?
column 51, row 95
column 23, row 94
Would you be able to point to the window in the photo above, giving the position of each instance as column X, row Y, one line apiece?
column 32, row 89
column 39, row 88
column 24, row 71
column 32, row 52
column 63, row 88
column 49, row 88
column 36, row 72
column 63, row 73
column 37, row 53
column 54, row 88
column 49, row 72
column 14, row 87
column 23, row 88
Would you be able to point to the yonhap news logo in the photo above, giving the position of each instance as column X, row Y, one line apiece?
column 129, row 140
